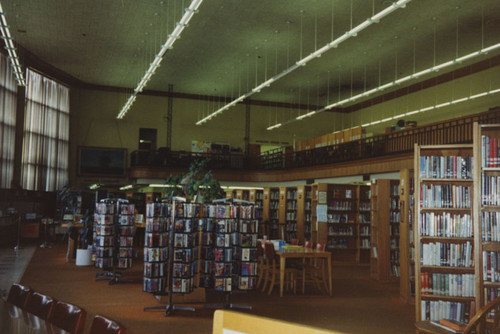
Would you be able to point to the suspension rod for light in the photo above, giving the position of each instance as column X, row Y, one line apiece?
column 302, row 62
column 175, row 35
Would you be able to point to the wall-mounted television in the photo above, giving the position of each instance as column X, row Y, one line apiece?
column 102, row 161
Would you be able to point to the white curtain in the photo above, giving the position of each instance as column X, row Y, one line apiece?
column 8, row 105
column 46, row 134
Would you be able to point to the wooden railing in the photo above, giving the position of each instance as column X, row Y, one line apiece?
column 453, row 131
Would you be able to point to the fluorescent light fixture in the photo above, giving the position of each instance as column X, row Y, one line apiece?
column 333, row 44
column 274, row 126
column 175, row 35
column 243, row 188
column 11, row 49
column 94, row 186
column 407, row 78
column 129, row 186
column 159, row 185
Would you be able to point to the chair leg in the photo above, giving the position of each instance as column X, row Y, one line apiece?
column 303, row 280
column 272, row 279
column 262, row 271
column 266, row 278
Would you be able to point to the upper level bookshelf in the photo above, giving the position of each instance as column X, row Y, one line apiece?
column 446, row 238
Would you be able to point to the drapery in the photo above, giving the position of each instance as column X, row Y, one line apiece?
column 46, row 134
column 8, row 105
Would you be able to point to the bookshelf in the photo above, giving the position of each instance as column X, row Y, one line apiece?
column 364, row 224
column 304, row 214
column 487, row 211
column 446, row 246
column 290, row 209
column 257, row 196
column 270, row 214
column 384, row 255
column 406, row 240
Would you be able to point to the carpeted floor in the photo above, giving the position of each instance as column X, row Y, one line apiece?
column 358, row 305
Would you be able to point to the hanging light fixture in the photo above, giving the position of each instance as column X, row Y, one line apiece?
column 302, row 62
column 175, row 35
column 11, row 50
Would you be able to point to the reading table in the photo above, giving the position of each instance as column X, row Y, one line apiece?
column 303, row 253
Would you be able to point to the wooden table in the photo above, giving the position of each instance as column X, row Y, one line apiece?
column 303, row 253
column 16, row 321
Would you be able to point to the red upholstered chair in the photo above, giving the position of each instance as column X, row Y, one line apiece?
column 69, row 317
column 18, row 295
column 308, row 244
column 260, row 262
column 39, row 305
column 102, row 325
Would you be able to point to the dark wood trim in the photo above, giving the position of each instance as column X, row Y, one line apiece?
column 368, row 166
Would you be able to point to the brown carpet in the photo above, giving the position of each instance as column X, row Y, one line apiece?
column 359, row 304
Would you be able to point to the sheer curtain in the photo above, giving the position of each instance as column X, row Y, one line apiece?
column 8, row 105
column 46, row 134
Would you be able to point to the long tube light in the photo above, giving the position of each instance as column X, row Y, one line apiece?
column 433, row 107
column 391, row 84
column 11, row 50
column 302, row 62
column 175, row 35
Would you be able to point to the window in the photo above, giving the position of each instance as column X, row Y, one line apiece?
column 46, row 134
column 8, row 105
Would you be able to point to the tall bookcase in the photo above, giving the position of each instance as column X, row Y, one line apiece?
column 304, row 214
column 446, row 240
column 288, row 205
column 487, row 210
column 257, row 196
column 406, row 238
column 271, row 205
column 364, row 224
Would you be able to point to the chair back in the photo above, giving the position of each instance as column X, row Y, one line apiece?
column 308, row 244
column 260, row 250
column 39, row 305
column 103, row 325
column 294, row 242
column 18, row 294
column 69, row 317
column 478, row 323
column 320, row 247
column 269, row 251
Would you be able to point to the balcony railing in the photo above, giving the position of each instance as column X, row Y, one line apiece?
column 453, row 131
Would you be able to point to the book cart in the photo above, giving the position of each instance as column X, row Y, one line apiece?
column 182, row 254
column 114, row 238
column 235, row 249
column 446, row 247
column 487, row 212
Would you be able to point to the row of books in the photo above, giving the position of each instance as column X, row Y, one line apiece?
column 291, row 194
column 490, row 190
column 491, row 266
column 490, row 226
column 445, row 224
column 291, row 205
column 439, row 309
column 364, row 243
column 340, row 230
column 340, row 206
column 339, row 218
column 395, row 271
column 364, row 206
column 489, row 152
column 445, row 196
column 364, row 231
column 337, row 243
column 291, row 227
column 455, row 285
column 291, row 215
column 447, row 254
column 395, row 203
column 395, row 257
column 394, row 190
column 394, row 230
column 394, row 217
column 446, row 167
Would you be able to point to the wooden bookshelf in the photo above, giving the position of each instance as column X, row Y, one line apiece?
column 363, row 223
column 257, row 196
column 319, row 197
column 406, row 244
column 446, row 247
column 487, row 211
column 304, row 214
column 291, row 214
column 271, row 206
column 385, row 219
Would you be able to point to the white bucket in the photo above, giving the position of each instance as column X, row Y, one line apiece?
column 83, row 257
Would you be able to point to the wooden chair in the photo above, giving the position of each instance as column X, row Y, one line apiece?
column 39, row 305
column 260, row 263
column 18, row 294
column 315, row 271
column 69, row 317
column 308, row 244
column 103, row 325
column 294, row 242
column 478, row 324
column 273, row 270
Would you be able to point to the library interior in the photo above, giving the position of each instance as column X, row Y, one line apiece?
column 190, row 166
